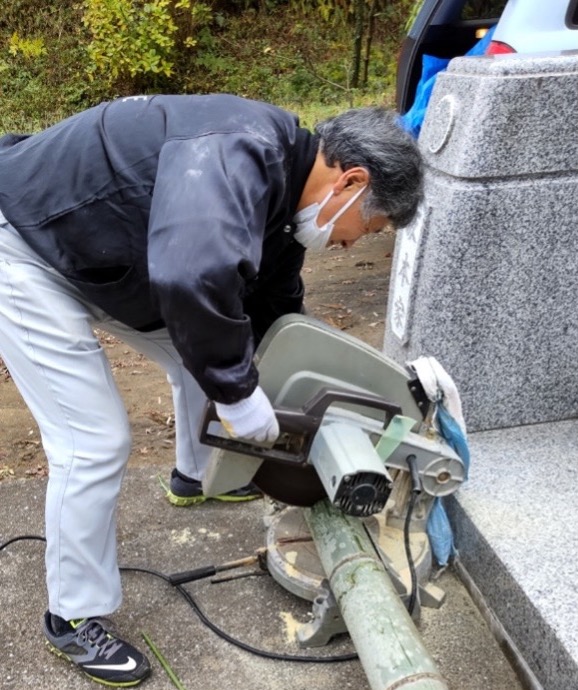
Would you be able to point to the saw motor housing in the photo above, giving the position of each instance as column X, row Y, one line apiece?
column 355, row 479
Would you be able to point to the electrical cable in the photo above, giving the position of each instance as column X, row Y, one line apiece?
column 22, row 538
column 234, row 641
column 415, row 491
column 189, row 598
column 413, row 594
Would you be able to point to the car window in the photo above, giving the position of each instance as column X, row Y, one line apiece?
column 482, row 9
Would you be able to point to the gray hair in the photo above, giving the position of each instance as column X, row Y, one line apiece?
column 373, row 139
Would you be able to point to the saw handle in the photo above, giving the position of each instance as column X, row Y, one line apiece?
column 297, row 428
column 325, row 397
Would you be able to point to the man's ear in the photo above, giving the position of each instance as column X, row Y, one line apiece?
column 352, row 179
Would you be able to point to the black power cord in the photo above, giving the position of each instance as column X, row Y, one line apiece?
column 209, row 623
column 415, row 492
column 31, row 537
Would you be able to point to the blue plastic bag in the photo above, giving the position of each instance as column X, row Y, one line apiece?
column 439, row 529
column 440, row 533
column 453, row 435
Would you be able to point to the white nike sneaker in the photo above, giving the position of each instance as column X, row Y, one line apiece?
column 90, row 644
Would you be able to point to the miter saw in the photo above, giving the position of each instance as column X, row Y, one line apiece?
column 356, row 429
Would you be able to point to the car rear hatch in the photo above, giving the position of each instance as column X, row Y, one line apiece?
column 445, row 29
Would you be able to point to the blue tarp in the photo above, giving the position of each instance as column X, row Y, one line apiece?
column 431, row 67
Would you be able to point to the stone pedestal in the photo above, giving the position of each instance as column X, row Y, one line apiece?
column 486, row 278
column 515, row 526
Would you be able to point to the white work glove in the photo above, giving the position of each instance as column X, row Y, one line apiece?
column 252, row 418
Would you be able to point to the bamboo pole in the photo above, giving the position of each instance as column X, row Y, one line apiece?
column 387, row 642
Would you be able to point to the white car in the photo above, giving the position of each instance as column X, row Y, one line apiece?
column 536, row 26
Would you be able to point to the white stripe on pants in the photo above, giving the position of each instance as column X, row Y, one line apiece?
column 48, row 344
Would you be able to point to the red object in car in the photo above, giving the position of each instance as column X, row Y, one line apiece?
column 499, row 48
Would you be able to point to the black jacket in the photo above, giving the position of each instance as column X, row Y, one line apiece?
column 171, row 210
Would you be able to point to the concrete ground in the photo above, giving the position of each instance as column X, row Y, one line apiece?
column 255, row 609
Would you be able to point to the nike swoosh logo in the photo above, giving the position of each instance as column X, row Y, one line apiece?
column 129, row 665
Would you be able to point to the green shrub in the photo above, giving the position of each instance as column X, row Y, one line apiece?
column 135, row 42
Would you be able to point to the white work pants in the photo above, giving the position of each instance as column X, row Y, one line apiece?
column 48, row 344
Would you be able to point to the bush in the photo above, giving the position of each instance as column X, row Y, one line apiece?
column 138, row 41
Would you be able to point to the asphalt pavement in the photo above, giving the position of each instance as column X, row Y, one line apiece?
column 252, row 609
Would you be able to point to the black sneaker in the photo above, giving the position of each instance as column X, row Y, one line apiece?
column 90, row 645
column 185, row 491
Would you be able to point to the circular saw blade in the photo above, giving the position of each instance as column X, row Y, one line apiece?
column 295, row 485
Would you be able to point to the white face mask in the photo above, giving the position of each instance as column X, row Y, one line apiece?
column 309, row 234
